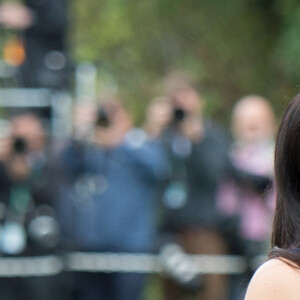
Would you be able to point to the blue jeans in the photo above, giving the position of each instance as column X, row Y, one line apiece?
column 108, row 286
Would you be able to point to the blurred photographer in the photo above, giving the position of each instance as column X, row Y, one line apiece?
column 27, row 193
column 26, row 138
column 197, row 155
column 250, row 198
column 107, row 203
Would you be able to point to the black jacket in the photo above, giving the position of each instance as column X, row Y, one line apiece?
column 200, row 172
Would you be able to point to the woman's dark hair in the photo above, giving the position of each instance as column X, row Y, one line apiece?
column 286, row 226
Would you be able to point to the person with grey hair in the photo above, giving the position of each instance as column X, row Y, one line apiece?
column 251, row 205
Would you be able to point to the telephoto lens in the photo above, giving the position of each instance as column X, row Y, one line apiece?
column 178, row 115
column 20, row 145
column 102, row 118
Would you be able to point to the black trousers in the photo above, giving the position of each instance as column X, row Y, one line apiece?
column 34, row 288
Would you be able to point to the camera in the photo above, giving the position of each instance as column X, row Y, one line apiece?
column 102, row 118
column 178, row 115
column 20, row 145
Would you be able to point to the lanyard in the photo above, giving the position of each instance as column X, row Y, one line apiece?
column 20, row 197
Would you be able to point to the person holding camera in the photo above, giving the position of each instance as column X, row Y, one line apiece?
column 108, row 203
column 250, row 202
column 27, row 195
column 197, row 155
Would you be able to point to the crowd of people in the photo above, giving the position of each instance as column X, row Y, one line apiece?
column 178, row 184
column 178, row 180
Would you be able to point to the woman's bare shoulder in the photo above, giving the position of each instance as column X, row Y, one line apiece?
column 276, row 279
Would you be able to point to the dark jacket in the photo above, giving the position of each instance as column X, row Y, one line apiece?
column 22, row 202
column 197, row 175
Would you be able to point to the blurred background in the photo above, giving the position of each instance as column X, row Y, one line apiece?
column 233, row 48
column 141, row 128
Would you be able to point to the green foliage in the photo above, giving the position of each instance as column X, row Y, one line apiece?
column 233, row 47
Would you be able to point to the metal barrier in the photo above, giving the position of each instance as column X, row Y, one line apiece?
column 30, row 266
column 111, row 262
column 169, row 261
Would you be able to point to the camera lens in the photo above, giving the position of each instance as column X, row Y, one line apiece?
column 178, row 115
column 20, row 145
column 102, row 118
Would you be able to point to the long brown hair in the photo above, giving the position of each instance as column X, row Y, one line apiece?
column 286, row 226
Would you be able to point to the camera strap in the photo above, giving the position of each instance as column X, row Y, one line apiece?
column 19, row 201
column 13, row 235
column 179, row 148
